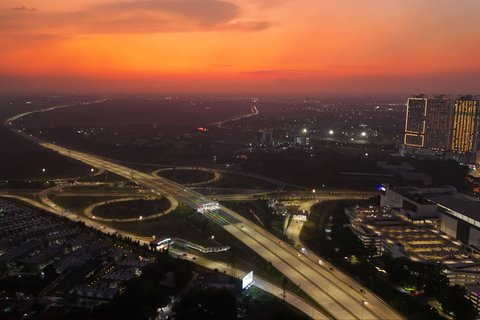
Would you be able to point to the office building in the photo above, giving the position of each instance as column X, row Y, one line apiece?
column 465, row 127
column 266, row 138
column 437, row 123
column 458, row 214
column 415, row 122
column 440, row 128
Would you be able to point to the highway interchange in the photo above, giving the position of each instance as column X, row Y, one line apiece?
column 340, row 295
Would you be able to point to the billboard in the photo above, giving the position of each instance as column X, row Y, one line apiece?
column 247, row 280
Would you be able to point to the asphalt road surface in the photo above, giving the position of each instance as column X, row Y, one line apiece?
column 339, row 294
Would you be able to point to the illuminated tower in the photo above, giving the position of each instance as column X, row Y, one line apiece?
column 438, row 123
column 440, row 128
column 465, row 126
column 415, row 122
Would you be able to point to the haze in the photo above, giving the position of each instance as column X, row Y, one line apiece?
column 247, row 46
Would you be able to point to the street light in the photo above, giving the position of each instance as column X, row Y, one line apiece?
column 364, row 305
column 330, row 132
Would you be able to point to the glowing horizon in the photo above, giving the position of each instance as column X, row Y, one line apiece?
column 258, row 46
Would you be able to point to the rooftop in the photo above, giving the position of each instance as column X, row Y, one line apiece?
column 460, row 203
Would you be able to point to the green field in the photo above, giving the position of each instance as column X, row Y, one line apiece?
column 262, row 305
column 132, row 208
column 104, row 177
column 76, row 203
column 170, row 225
column 187, row 176
column 230, row 180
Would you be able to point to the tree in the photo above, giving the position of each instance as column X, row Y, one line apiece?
column 207, row 304
column 454, row 301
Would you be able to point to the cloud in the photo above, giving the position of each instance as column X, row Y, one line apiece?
column 283, row 73
column 27, row 41
column 247, row 25
column 144, row 16
column 205, row 12
column 267, row 4
column 23, row 8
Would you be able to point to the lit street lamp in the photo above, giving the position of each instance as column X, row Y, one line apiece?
column 364, row 305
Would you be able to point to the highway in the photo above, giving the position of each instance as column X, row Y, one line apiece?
column 89, row 210
column 260, row 283
column 339, row 294
column 74, row 217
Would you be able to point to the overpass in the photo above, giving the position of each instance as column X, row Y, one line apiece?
column 337, row 293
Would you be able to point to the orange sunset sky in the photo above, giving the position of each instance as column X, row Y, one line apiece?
column 241, row 46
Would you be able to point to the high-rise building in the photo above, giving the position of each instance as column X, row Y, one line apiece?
column 465, row 126
column 302, row 141
column 440, row 128
column 266, row 138
column 415, row 122
column 438, row 123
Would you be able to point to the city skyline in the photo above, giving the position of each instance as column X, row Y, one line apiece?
column 233, row 46
column 442, row 126
column 239, row 159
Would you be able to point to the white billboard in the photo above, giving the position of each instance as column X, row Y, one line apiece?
column 247, row 280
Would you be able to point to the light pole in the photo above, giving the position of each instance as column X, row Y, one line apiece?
column 364, row 305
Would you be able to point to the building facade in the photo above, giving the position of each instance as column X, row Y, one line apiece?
column 415, row 122
column 438, row 123
column 465, row 127
column 439, row 127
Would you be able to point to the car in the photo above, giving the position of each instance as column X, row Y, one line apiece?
column 331, row 269
column 362, row 291
column 194, row 258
